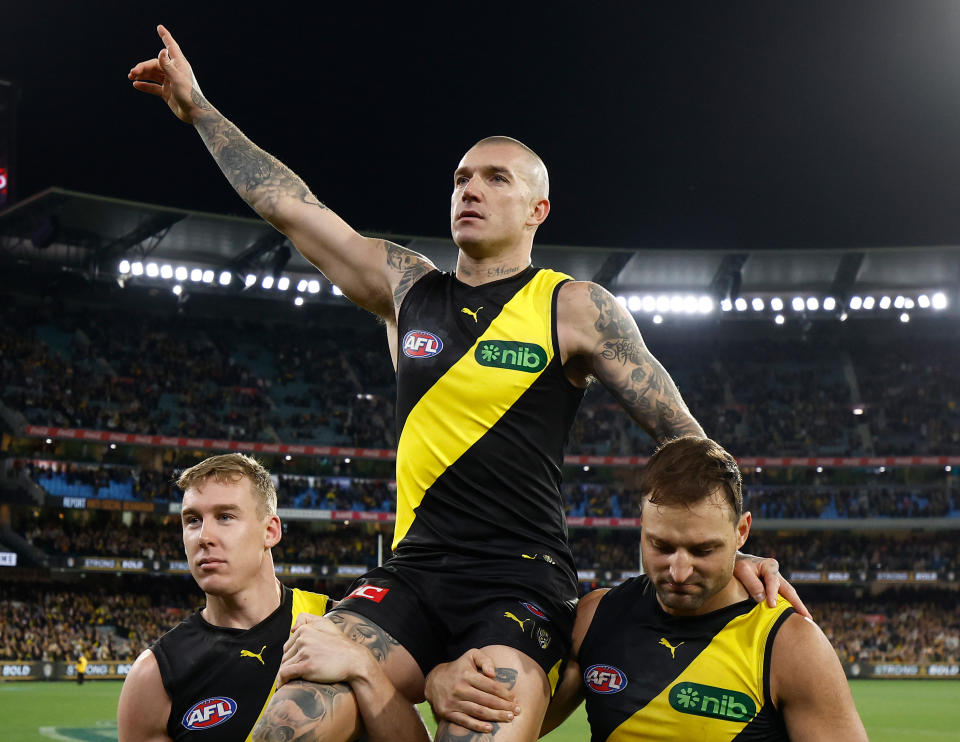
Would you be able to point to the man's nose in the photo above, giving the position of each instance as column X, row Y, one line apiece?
column 471, row 189
column 680, row 567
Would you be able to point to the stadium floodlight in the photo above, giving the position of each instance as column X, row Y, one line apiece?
column 946, row 468
column 302, row 285
column 829, row 304
column 758, row 469
column 819, row 470
column 939, row 300
column 899, row 302
column 225, row 278
column 740, row 304
column 757, row 304
column 181, row 273
column 690, row 304
column 208, row 275
column 797, row 304
column 663, row 304
column 908, row 303
column 267, row 282
column 705, row 305
column 136, row 268
column 924, row 301
column 283, row 284
column 288, row 457
column 657, row 319
column 868, row 302
column 166, row 271
column 676, row 304
column 905, row 317
column 153, row 270
column 884, row 302
column 298, row 302
column 346, row 460
column 113, row 446
column 124, row 267
column 779, row 319
column 196, row 275
column 648, row 303
column 843, row 316
column 313, row 286
column 726, row 305
column 249, row 280
column 855, row 303
column 634, row 303
column 336, row 290
column 813, row 303
column 586, row 467
column 49, row 441
column 858, row 410
column 776, row 304
column 621, row 300
column 881, row 470
column 177, row 289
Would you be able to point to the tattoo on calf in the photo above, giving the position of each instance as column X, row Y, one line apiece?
column 296, row 712
column 446, row 734
column 359, row 629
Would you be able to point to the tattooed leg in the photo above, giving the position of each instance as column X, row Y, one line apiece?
column 365, row 632
column 304, row 712
column 447, row 732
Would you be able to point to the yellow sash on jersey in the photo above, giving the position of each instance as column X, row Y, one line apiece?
column 470, row 398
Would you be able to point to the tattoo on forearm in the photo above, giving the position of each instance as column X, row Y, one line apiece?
column 260, row 178
column 197, row 97
column 647, row 391
column 367, row 633
column 408, row 264
column 446, row 734
column 507, row 675
column 296, row 712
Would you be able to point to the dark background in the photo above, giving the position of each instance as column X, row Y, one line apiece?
column 670, row 124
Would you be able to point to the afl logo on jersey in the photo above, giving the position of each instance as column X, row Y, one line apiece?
column 604, row 679
column 209, row 713
column 421, row 344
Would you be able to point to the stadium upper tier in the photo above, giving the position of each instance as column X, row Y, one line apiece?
column 840, row 391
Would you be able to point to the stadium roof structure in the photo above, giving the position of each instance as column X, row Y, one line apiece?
column 92, row 234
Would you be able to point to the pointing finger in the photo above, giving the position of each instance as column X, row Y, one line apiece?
column 173, row 49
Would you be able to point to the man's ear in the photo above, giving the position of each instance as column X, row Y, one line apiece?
column 743, row 528
column 539, row 210
column 274, row 532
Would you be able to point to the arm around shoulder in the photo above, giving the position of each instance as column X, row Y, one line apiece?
column 809, row 687
column 144, row 706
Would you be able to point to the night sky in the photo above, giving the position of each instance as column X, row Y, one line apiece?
column 670, row 124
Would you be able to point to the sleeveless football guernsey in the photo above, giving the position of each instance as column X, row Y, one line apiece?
column 219, row 680
column 483, row 413
column 656, row 677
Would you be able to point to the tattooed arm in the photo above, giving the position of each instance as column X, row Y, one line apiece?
column 374, row 274
column 600, row 338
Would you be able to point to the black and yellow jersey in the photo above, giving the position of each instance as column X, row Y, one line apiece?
column 656, row 677
column 219, row 679
column 483, row 414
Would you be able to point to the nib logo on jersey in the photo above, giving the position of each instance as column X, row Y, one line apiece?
column 510, row 354
column 604, row 679
column 421, row 344
column 717, row 703
column 209, row 713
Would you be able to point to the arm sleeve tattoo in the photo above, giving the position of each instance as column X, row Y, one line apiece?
column 624, row 365
column 297, row 712
column 260, row 178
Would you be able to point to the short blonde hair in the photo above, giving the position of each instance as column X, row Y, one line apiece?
column 230, row 468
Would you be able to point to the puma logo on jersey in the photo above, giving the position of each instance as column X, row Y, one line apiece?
column 472, row 314
column 522, row 623
column 673, row 649
column 248, row 653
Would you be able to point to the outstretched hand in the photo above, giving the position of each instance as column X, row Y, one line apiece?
column 762, row 579
column 171, row 77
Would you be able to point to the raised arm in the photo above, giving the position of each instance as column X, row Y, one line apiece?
column 375, row 274
column 600, row 338
column 144, row 705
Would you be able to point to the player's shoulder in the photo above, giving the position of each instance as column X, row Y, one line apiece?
column 586, row 609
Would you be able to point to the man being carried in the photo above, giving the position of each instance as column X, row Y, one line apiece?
column 491, row 365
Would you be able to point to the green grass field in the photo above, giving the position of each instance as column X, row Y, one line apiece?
column 892, row 710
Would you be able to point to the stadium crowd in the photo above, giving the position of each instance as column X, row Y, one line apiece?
column 244, row 380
